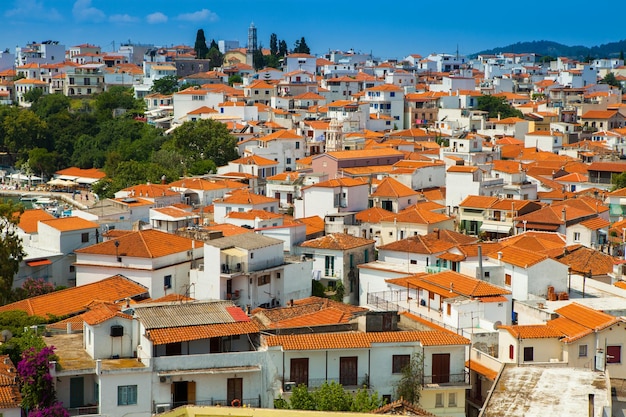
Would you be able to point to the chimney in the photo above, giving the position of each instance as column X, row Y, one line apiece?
column 500, row 256
column 591, row 405
column 480, row 262
column 563, row 214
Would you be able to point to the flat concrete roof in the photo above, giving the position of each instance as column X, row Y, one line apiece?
column 535, row 391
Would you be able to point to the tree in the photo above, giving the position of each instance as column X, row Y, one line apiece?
column 214, row 55
column 618, row 181
column 363, row 402
column 317, row 289
column 331, row 397
column 33, row 95
column 611, row 80
column 282, row 48
column 301, row 399
column 409, row 386
column 621, row 55
column 11, row 250
column 258, row 60
column 301, row 47
column 200, row 45
column 166, row 85
column 497, row 106
column 339, row 292
column 205, row 139
column 38, row 393
column 235, row 79
column 273, row 44
column 117, row 97
column 43, row 161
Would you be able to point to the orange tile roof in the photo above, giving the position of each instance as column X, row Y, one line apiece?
column 319, row 341
column 415, row 214
column 10, row 396
column 150, row 191
column 314, row 224
column 228, row 229
column 533, row 331
column 67, row 224
column 30, row 218
column 101, row 312
column 75, row 300
column 478, row 201
column 390, row 187
column 372, row 215
column 245, row 197
column 149, row 243
column 253, row 215
column 482, row 370
column 364, row 153
column 519, row 257
column 461, row 284
column 419, row 244
column 207, row 331
column 254, row 160
column 587, row 316
column 340, row 182
column 337, row 241
column 80, row 172
column 462, row 168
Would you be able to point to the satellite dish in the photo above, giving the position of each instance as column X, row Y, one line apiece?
column 5, row 335
column 497, row 324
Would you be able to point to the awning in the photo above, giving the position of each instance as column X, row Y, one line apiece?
column 222, row 370
column 453, row 257
column 39, row 262
column 87, row 180
column 538, row 226
column 234, row 252
column 482, row 370
column 495, row 228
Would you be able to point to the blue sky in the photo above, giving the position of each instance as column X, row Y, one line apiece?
column 388, row 30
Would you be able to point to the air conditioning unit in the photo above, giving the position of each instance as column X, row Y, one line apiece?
column 162, row 408
column 117, row 330
column 164, row 378
column 289, row 386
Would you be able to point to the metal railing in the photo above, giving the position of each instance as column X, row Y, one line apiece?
column 248, row 402
column 81, row 411
column 446, row 380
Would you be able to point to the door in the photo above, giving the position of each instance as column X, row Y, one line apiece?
column 441, row 368
column 299, row 371
column 234, row 390
column 77, row 392
column 180, row 392
column 348, row 371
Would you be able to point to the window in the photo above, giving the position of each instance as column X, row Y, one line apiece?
column 528, row 354
column 576, row 236
column 329, row 263
column 613, row 354
column 511, row 351
column 167, row 282
column 297, row 145
column 127, row 395
column 507, row 279
column 413, row 261
column 582, row 351
column 439, row 399
column 449, row 309
column 263, row 279
column 452, row 399
column 84, row 237
column 399, row 362
column 289, row 160
column 486, row 274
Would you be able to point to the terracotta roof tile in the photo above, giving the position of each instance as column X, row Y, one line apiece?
column 390, row 187
column 244, row 196
column 75, row 300
column 149, row 243
column 586, row 316
column 337, row 241
column 533, row 331
column 102, row 312
column 321, row 341
column 207, row 331
column 66, row 224
column 482, row 370
column 30, row 218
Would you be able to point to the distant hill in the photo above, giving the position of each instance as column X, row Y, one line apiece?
column 554, row 49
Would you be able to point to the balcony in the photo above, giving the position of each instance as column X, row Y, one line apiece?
column 351, row 382
column 437, row 381
column 436, row 269
column 83, row 411
column 234, row 268
column 247, row 402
